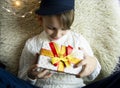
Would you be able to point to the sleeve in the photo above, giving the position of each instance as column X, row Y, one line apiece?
column 85, row 45
column 25, row 62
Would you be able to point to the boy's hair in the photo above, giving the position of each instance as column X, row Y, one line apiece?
column 67, row 19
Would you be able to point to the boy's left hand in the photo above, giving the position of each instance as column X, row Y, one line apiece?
column 88, row 65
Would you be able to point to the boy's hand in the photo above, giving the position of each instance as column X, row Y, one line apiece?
column 33, row 73
column 88, row 65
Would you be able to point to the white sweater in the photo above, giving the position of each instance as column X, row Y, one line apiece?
column 33, row 46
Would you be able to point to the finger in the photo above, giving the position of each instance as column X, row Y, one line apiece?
column 32, row 73
column 45, row 71
column 48, row 75
column 79, row 75
column 36, row 69
column 82, row 73
column 32, row 67
column 85, row 72
column 81, row 63
column 42, row 73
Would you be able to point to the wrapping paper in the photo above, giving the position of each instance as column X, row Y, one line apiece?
column 60, row 58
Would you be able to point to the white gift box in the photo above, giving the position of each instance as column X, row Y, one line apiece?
column 45, row 62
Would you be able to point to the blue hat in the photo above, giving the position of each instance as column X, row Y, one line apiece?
column 52, row 7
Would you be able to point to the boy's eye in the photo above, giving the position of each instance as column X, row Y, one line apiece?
column 51, row 28
column 63, row 28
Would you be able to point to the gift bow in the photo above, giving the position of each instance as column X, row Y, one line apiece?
column 60, row 57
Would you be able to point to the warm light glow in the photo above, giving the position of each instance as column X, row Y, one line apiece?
column 17, row 3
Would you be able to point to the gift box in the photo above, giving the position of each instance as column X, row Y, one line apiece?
column 60, row 58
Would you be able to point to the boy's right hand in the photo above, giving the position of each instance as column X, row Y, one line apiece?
column 33, row 73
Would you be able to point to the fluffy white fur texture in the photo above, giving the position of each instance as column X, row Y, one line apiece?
column 97, row 20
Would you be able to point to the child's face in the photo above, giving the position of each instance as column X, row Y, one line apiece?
column 53, row 27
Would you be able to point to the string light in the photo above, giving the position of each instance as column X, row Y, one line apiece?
column 18, row 4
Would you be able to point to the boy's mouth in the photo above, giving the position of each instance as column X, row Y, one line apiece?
column 55, row 38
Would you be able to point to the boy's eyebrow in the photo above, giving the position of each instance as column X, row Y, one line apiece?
column 51, row 26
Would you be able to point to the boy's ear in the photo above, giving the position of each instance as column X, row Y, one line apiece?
column 40, row 20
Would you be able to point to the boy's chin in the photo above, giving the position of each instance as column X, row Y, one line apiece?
column 54, row 39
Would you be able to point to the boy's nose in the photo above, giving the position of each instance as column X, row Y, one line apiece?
column 58, row 33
